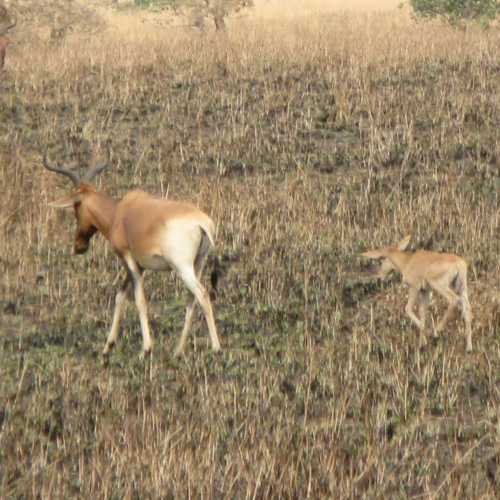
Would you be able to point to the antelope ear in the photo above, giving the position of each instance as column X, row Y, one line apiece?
column 65, row 202
column 373, row 254
column 404, row 242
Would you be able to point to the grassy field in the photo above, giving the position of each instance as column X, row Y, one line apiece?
column 308, row 140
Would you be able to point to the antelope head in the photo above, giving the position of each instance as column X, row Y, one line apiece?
column 383, row 266
column 80, row 200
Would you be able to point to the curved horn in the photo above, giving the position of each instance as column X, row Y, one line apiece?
column 74, row 177
column 95, row 171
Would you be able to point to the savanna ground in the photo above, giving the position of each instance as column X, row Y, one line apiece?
column 308, row 139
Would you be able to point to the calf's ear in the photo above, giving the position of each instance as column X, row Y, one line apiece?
column 404, row 243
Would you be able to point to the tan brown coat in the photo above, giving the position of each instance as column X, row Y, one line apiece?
column 146, row 233
column 424, row 271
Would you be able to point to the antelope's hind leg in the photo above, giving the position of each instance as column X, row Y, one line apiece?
column 467, row 316
column 187, row 253
column 453, row 302
column 199, row 264
column 188, row 275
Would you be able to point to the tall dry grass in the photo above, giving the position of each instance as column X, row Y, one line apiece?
column 308, row 140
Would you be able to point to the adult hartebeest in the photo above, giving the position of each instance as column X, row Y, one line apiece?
column 146, row 233
column 4, row 42
column 424, row 271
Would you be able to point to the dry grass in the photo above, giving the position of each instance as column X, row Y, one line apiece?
column 308, row 141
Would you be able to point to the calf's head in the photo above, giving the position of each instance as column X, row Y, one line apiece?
column 381, row 265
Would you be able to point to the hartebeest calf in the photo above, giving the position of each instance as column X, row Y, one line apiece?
column 424, row 271
column 4, row 42
column 146, row 233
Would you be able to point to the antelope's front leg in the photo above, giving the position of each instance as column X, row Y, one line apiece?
column 115, row 325
column 140, row 302
column 412, row 300
column 423, row 304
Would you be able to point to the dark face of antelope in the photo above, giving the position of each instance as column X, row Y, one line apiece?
column 84, row 229
column 80, row 200
column 381, row 266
